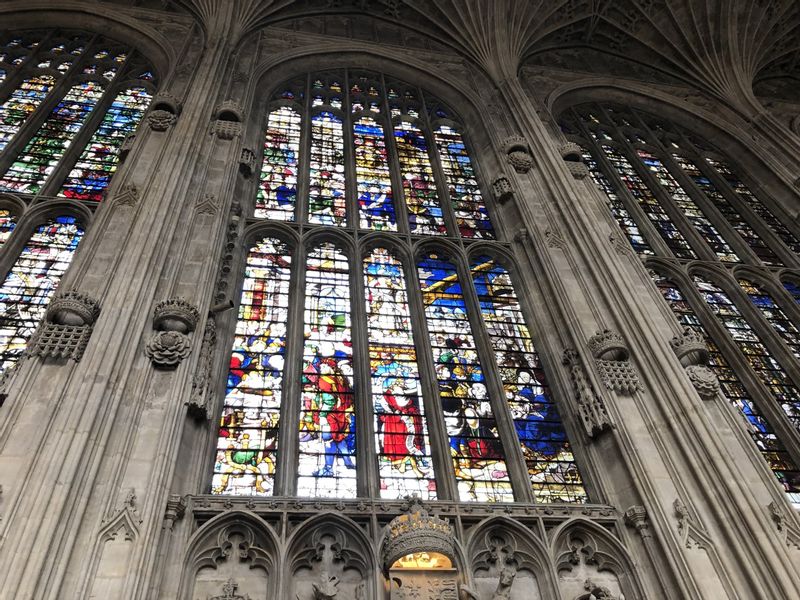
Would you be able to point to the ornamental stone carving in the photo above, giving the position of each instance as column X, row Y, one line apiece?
column 167, row 349
column 201, row 383
column 591, row 407
column 704, row 380
column 175, row 314
column 67, row 326
column 692, row 352
column 502, row 189
column 518, row 154
column 573, row 158
column 160, row 120
column 173, row 320
column 228, row 120
column 126, row 146
column 229, row 592
column 612, row 362
column 636, row 517
column 417, row 531
column 227, row 130
column 247, row 162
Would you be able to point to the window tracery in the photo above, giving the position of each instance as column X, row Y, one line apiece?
column 389, row 392
column 697, row 208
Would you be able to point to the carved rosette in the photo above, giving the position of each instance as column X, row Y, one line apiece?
column 160, row 120
column 518, row 154
column 704, row 381
column 417, row 531
column 502, row 189
column 173, row 320
column 612, row 362
column 67, row 326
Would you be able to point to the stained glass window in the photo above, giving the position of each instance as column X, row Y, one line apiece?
column 8, row 221
column 471, row 217
column 793, row 288
column 425, row 215
column 404, row 458
column 376, row 208
column 277, row 191
column 31, row 282
column 762, row 433
column 478, row 456
column 548, row 457
column 92, row 173
column 327, row 421
column 248, row 431
column 327, row 201
column 22, row 104
column 773, row 313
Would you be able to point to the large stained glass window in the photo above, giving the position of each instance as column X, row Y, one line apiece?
column 762, row 433
column 404, row 459
column 248, row 430
column 327, row 420
column 478, row 456
column 8, row 221
column 62, row 127
column 548, row 457
column 358, row 363
column 691, row 196
column 33, row 279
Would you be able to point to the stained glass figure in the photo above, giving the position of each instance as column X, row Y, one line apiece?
column 742, row 227
column 32, row 281
column 769, row 371
column 22, row 103
column 477, row 453
column 773, row 313
column 277, row 190
column 755, row 204
column 762, row 433
column 647, row 200
column 327, row 202
column 689, row 208
column 465, row 195
column 617, row 206
column 327, row 420
column 248, row 433
column 419, row 187
column 92, row 173
column 374, row 186
column 43, row 152
column 543, row 440
column 404, row 459
column 8, row 221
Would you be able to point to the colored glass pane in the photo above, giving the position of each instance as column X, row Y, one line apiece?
column 374, row 186
column 419, row 187
column 248, row 431
column 8, row 222
column 92, row 173
column 327, row 203
column 762, row 433
column 793, row 289
column 277, row 189
column 465, row 195
column 22, row 103
column 617, row 206
column 689, row 208
column 769, row 371
column 477, row 453
column 650, row 205
column 773, row 313
column 43, row 152
column 404, row 461
column 755, row 204
column 743, row 228
column 327, row 420
column 31, row 282
column 551, row 466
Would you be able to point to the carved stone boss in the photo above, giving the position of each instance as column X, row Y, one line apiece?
column 173, row 320
column 612, row 360
column 66, row 327
column 692, row 352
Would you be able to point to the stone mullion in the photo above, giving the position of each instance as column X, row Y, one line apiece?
column 695, row 240
column 398, row 192
column 352, row 209
column 366, row 455
column 31, row 127
column 765, row 401
column 775, row 243
column 514, row 458
column 446, row 488
column 725, row 229
column 641, row 219
column 288, row 437
column 303, row 163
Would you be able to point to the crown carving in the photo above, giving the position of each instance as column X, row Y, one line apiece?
column 167, row 102
column 417, row 531
column 608, row 345
column 73, row 308
column 229, row 109
column 571, row 151
column 175, row 314
column 515, row 142
column 690, row 347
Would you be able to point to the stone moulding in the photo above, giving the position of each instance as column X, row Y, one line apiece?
column 417, row 531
